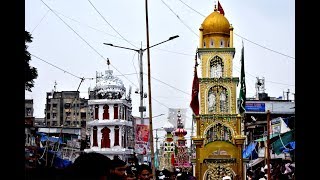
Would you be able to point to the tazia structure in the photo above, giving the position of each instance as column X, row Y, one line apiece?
column 111, row 127
column 166, row 157
column 182, row 159
column 219, row 140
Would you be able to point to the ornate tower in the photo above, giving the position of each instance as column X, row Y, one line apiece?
column 218, row 141
column 167, row 148
column 182, row 159
column 111, row 120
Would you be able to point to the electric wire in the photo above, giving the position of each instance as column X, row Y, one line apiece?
column 169, row 50
column 180, row 19
column 65, row 71
column 87, row 42
column 111, row 25
column 40, row 21
column 237, row 34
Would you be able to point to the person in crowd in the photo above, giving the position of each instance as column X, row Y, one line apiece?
column 131, row 173
column 144, row 172
column 88, row 166
column 118, row 168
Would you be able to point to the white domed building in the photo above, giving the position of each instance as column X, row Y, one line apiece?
column 111, row 126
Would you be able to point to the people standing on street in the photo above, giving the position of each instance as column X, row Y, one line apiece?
column 144, row 172
column 88, row 166
column 118, row 169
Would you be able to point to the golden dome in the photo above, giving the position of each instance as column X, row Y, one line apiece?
column 216, row 23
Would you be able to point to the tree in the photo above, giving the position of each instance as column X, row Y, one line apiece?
column 30, row 73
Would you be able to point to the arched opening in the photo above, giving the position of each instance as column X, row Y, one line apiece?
column 218, row 99
column 105, row 140
column 106, row 112
column 116, row 135
column 96, row 112
column 95, row 140
column 216, row 67
column 116, row 113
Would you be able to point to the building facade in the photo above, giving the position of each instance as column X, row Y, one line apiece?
column 219, row 140
column 65, row 108
column 29, row 122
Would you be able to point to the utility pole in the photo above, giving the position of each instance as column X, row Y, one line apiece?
column 141, row 108
column 268, row 144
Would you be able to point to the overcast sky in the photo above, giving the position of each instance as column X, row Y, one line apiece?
column 70, row 34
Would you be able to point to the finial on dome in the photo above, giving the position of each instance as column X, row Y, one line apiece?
column 215, row 8
column 108, row 63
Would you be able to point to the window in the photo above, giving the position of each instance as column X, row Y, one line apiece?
column 216, row 67
column 218, row 99
column 218, row 132
column 28, row 111
column 204, row 44
column 54, row 115
column 67, row 106
column 83, row 115
column 221, row 43
column 211, row 43
column 54, row 106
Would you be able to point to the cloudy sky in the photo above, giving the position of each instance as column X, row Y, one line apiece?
column 68, row 39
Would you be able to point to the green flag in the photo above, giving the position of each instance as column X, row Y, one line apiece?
column 242, row 95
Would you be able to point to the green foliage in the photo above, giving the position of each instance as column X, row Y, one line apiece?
column 30, row 73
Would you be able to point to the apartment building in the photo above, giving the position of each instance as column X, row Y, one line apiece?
column 65, row 108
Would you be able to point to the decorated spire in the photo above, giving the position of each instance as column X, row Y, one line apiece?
column 108, row 63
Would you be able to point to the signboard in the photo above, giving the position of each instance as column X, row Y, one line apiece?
column 275, row 126
column 255, row 107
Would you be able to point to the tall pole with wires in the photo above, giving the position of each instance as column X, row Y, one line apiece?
column 149, row 95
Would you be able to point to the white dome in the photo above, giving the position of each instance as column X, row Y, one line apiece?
column 109, row 86
column 168, row 127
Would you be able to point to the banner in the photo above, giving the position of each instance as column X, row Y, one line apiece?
column 142, row 139
column 142, row 134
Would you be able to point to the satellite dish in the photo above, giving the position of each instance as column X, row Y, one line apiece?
column 253, row 118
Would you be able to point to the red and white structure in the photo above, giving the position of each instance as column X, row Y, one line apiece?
column 182, row 160
column 110, row 125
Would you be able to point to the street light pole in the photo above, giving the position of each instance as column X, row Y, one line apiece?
column 140, row 51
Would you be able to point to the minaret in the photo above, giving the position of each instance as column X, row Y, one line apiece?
column 218, row 140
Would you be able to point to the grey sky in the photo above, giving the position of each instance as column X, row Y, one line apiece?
column 268, row 23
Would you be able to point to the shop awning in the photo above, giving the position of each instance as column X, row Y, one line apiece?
column 265, row 138
column 279, row 145
column 255, row 162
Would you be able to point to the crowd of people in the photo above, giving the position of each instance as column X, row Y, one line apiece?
column 96, row 166
column 278, row 171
